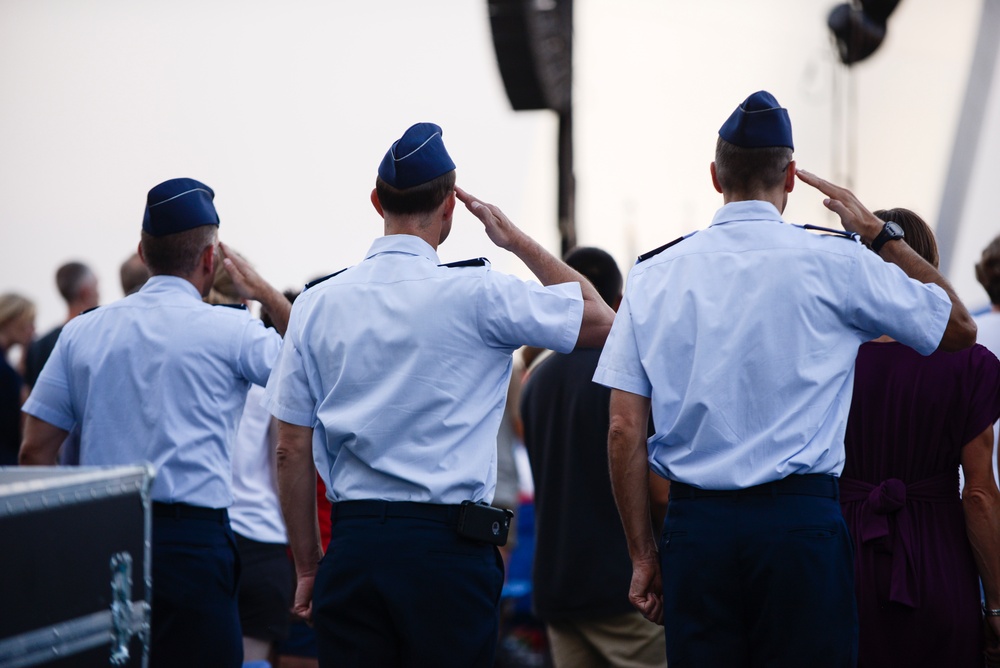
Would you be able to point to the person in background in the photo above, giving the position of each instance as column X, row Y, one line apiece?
column 988, row 275
column 162, row 377
column 919, row 549
column 581, row 568
column 741, row 340
column 17, row 328
column 133, row 274
column 77, row 285
column 266, row 578
column 401, row 366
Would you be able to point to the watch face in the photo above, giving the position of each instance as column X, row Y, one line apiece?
column 894, row 230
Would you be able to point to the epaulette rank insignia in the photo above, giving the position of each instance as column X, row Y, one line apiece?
column 239, row 307
column 320, row 280
column 657, row 251
column 834, row 233
column 474, row 262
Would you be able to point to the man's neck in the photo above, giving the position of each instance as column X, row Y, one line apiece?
column 777, row 199
column 414, row 226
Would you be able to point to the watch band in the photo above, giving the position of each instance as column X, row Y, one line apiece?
column 886, row 235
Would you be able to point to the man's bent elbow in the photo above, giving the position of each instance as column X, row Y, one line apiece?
column 959, row 335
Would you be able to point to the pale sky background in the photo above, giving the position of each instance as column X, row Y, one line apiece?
column 285, row 110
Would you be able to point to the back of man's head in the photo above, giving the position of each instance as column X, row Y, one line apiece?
column 754, row 147
column 73, row 279
column 416, row 174
column 179, row 222
column 988, row 271
column 600, row 269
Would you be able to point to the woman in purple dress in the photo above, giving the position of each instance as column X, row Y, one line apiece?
column 920, row 548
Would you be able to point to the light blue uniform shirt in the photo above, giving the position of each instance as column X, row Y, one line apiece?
column 161, row 377
column 744, row 336
column 401, row 366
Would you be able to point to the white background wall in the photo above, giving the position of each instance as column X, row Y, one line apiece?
column 286, row 109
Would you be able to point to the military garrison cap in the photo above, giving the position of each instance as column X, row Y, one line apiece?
column 415, row 158
column 759, row 122
column 178, row 205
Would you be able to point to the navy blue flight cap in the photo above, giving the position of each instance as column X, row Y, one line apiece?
column 759, row 122
column 178, row 205
column 415, row 158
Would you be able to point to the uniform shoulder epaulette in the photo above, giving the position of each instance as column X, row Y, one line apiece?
column 238, row 307
column 657, row 251
column 320, row 280
column 474, row 262
column 92, row 308
column 829, row 232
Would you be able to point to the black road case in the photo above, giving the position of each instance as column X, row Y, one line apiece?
column 75, row 585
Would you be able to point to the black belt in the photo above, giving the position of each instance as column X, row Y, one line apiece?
column 810, row 484
column 438, row 512
column 183, row 511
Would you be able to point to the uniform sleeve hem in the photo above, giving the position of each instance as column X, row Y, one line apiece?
column 574, row 322
column 620, row 381
column 289, row 415
column 46, row 414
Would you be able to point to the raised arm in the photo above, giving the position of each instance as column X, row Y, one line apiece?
column 960, row 332
column 251, row 285
column 547, row 268
column 630, row 484
column 981, row 502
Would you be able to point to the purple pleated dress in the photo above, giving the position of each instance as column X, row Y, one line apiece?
column 916, row 581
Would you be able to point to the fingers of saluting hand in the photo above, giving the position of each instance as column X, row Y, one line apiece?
column 480, row 209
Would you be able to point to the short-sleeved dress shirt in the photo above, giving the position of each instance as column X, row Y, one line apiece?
column 744, row 336
column 401, row 366
column 161, row 377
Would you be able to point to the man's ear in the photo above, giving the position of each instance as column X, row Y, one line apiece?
column 208, row 260
column 715, row 178
column 790, row 177
column 141, row 256
column 376, row 203
column 449, row 206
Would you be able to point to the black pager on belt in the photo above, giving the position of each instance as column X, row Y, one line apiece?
column 477, row 521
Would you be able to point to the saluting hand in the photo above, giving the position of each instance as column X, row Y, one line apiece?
column 246, row 281
column 498, row 227
column 854, row 216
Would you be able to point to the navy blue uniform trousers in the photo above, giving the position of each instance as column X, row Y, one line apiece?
column 195, row 619
column 408, row 591
column 759, row 577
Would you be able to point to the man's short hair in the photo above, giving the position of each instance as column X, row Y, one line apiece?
column 177, row 254
column 419, row 199
column 600, row 269
column 918, row 234
column 750, row 170
column 988, row 271
column 71, row 278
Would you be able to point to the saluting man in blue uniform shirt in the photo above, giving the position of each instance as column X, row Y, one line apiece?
column 162, row 377
column 400, row 367
column 741, row 339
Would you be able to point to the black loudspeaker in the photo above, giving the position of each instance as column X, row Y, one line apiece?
column 534, row 45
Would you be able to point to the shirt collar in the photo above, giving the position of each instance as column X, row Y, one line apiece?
column 164, row 283
column 406, row 244
column 745, row 211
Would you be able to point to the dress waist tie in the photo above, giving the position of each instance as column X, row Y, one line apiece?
column 889, row 498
